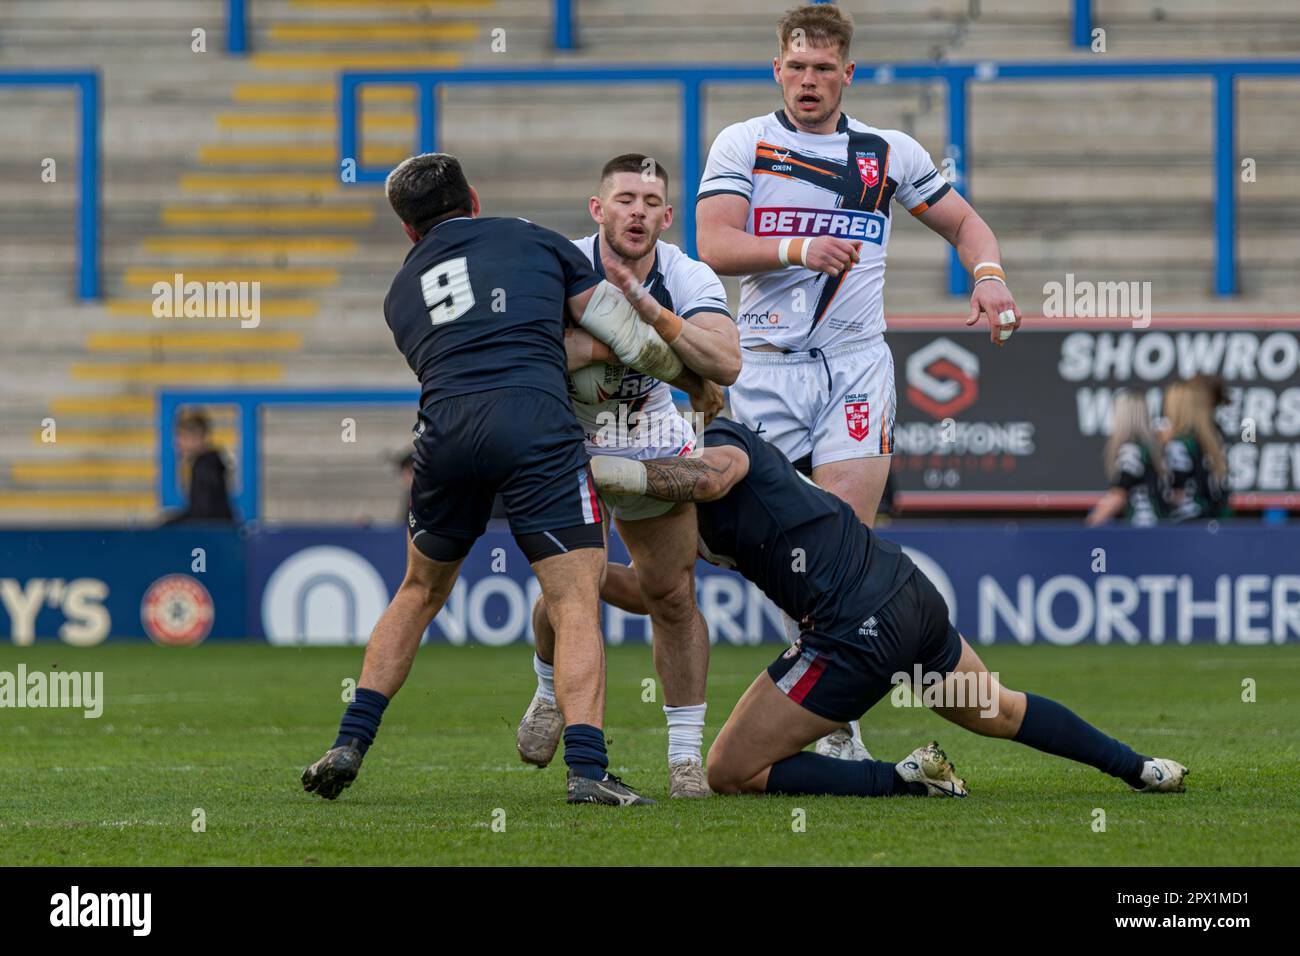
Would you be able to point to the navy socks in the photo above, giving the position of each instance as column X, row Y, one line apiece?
column 360, row 721
column 1054, row 729
column 584, row 751
column 814, row 774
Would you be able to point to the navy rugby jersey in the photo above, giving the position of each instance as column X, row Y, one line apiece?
column 480, row 304
column 804, row 547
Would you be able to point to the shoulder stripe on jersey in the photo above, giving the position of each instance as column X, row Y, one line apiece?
column 939, row 194
column 737, row 176
column 721, row 192
column 925, row 179
column 720, row 308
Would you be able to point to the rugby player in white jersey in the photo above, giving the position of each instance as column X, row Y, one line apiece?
column 797, row 203
column 632, row 211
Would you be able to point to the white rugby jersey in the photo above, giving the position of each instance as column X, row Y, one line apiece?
column 678, row 283
column 809, row 184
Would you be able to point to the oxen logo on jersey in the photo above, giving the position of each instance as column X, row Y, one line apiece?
column 840, row 223
column 869, row 168
column 857, row 415
column 942, row 378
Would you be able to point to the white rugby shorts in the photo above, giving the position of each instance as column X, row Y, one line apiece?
column 663, row 433
column 834, row 404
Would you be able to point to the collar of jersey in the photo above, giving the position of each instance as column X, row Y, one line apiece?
column 841, row 126
column 600, row 266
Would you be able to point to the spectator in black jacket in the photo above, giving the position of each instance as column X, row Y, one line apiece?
column 208, row 499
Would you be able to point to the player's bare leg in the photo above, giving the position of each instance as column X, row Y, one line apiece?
column 396, row 637
column 542, row 725
column 858, row 481
column 760, row 750
column 663, row 551
column 861, row 483
column 571, row 588
column 389, row 655
column 993, row 710
column 765, row 727
column 622, row 588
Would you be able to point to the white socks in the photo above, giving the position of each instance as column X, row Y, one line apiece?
column 685, row 724
column 545, row 679
column 685, row 733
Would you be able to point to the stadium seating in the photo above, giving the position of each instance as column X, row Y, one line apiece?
column 221, row 167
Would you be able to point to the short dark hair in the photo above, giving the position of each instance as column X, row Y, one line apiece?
column 426, row 189
column 816, row 24
column 195, row 421
column 634, row 163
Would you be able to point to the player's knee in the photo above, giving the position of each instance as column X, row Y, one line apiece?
column 722, row 779
column 723, row 775
column 671, row 599
column 1011, row 711
column 999, row 717
column 430, row 594
column 540, row 619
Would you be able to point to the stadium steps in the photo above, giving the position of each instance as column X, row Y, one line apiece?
column 216, row 166
column 238, row 179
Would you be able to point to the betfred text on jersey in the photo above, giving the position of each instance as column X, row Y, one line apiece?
column 839, row 223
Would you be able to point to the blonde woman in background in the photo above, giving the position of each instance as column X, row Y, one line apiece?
column 1133, row 466
column 1195, row 455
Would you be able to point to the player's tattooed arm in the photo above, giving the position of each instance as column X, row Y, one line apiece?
column 706, row 478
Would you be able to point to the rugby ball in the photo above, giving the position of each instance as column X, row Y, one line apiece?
column 597, row 382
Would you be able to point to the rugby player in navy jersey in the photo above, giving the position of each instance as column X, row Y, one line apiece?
column 868, row 615
column 478, row 309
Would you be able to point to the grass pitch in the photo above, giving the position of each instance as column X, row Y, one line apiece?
column 226, row 729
